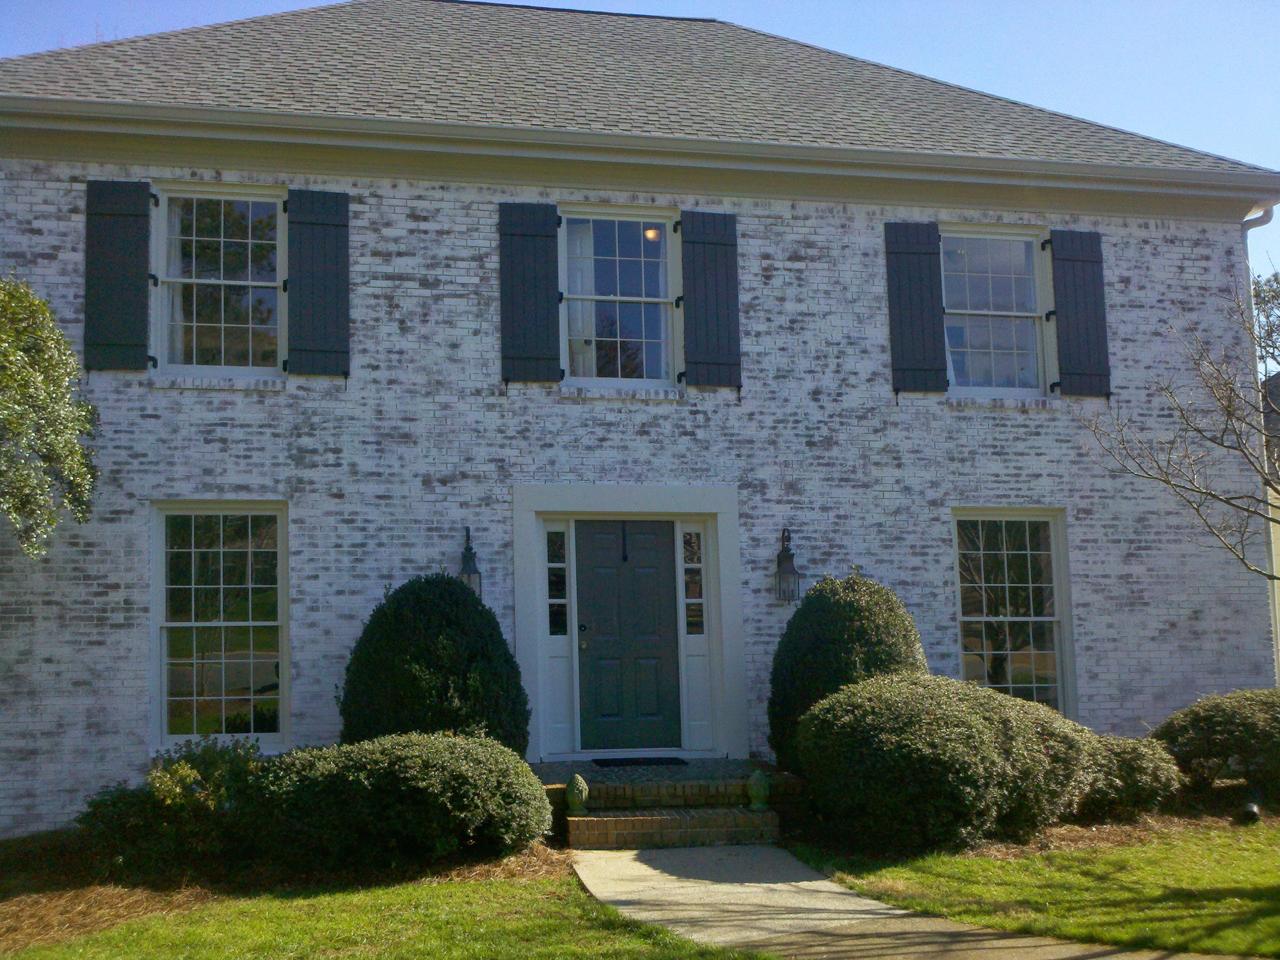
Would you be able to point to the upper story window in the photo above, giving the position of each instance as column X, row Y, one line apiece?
column 617, row 316
column 220, row 292
column 994, row 307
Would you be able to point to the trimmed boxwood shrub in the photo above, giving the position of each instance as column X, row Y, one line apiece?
column 432, row 658
column 905, row 762
column 842, row 631
column 397, row 800
column 1234, row 734
column 1130, row 777
column 188, row 811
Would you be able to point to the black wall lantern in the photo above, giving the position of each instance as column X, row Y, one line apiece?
column 469, row 573
column 787, row 578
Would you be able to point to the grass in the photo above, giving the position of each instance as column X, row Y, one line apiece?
column 1204, row 886
column 51, row 908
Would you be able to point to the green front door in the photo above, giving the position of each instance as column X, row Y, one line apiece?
column 628, row 651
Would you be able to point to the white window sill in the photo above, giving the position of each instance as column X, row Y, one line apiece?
column 268, row 382
column 612, row 391
column 1004, row 403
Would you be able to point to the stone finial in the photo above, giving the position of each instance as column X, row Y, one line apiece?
column 575, row 794
column 758, row 790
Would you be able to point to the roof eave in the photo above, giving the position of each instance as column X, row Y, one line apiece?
column 1262, row 188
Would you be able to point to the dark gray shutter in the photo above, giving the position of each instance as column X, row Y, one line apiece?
column 117, row 258
column 709, row 263
column 917, row 334
column 1079, row 302
column 319, row 283
column 529, row 291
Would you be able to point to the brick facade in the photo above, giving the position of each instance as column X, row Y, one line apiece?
column 382, row 472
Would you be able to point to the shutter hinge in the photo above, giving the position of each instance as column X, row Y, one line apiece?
column 284, row 364
column 155, row 199
column 284, row 206
column 1055, row 386
column 155, row 364
column 559, row 221
column 284, row 285
column 1050, row 315
column 1046, row 244
column 155, row 281
column 559, row 296
column 678, row 302
column 675, row 227
column 562, row 374
column 680, row 376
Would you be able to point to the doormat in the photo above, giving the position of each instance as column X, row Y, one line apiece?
column 642, row 762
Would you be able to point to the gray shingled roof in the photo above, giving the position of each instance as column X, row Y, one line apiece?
column 440, row 61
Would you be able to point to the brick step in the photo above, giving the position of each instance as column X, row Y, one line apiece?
column 648, row 794
column 691, row 826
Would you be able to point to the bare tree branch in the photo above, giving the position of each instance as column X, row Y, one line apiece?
column 1225, row 420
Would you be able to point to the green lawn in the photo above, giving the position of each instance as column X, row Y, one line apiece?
column 490, row 918
column 1211, row 889
column 54, row 904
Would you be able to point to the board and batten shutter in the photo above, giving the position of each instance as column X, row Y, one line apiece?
column 529, row 291
column 319, row 284
column 1079, row 303
column 117, row 265
column 917, row 332
column 709, row 267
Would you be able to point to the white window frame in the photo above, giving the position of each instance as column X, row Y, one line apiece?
column 160, row 737
column 160, row 303
column 1064, row 646
column 675, row 349
column 1046, row 330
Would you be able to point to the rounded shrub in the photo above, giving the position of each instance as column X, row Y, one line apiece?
column 842, row 631
column 907, row 762
column 432, row 658
column 1228, row 735
column 1130, row 777
column 397, row 800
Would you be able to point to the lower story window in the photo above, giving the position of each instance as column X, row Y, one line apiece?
column 222, row 632
column 1010, row 612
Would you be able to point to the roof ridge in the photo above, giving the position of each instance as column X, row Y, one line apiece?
column 594, row 13
column 992, row 96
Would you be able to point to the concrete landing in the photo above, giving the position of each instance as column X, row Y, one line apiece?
column 762, row 898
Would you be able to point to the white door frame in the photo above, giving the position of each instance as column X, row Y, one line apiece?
column 548, row 665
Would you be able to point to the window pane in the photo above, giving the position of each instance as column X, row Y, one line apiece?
column 606, row 358
column 555, row 546
column 631, row 359
column 1000, row 601
column 180, row 643
column 630, row 278
column 556, row 583
column 692, row 547
column 266, row 640
column 181, row 721
column 604, row 237
column 266, row 716
column 558, row 619
column 630, row 321
column 236, row 642
column 606, row 319
column 235, row 260
column 235, row 219
column 263, row 532
column 693, row 619
column 693, row 583
column 262, row 262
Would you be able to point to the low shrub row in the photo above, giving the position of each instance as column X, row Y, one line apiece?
column 394, row 801
column 1229, row 735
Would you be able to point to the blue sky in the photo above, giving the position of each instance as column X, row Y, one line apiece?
column 1193, row 72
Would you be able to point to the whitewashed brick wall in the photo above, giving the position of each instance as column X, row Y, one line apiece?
column 381, row 473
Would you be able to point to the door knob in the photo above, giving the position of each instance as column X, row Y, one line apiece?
column 582, row 636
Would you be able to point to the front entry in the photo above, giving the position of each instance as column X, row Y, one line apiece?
column 628, row 649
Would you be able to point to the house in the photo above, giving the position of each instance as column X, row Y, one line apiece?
column 620, row 300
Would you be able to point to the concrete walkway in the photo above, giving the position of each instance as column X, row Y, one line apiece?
column 762, row 898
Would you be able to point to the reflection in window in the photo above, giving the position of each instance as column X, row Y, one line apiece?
column 618, row 299
column 1009, row 616
column 221, row 282
column 557, row 584
column 993, row 333
column 694, row 601
column 221, row 629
